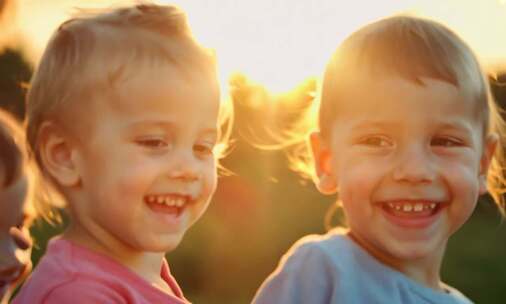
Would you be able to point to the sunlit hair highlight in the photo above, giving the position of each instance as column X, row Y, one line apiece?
column 95, row 53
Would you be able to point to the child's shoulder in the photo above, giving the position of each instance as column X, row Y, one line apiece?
column 310, row 272
column 65, row 271
column 323, row 247
column 64, row 260
column 338, row 268
column 66, row 290
column 59, row 278
column 69, row 273
column 322, row 256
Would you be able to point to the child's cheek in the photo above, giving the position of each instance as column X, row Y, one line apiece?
column 137, row 179
column 132, row 176
column 360, row 174
column 463, row 182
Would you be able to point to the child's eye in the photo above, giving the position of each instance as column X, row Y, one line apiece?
column 446, row 142
column 153, row 143
column 203, row 149
column 375, row 141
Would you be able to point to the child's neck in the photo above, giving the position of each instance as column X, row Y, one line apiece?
column 145, row 264
column 425, row 271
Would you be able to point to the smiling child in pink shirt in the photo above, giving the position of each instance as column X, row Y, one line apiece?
column 124, row 121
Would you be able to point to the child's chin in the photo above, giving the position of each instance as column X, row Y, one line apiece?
column 414, row 253
column 165, row 243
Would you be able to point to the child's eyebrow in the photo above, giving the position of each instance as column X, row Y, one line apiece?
column 211, row 131
column 374, row 124
column 455, row 125
column 446, row 124
column 153, row 123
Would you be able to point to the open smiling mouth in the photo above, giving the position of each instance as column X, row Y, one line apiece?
column 411, row 213
column 172, row 204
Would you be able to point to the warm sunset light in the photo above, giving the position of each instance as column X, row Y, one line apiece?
column 280, row 43
column 383, row 183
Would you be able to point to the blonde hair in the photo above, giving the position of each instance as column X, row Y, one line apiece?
column 94, row 52
column 412, row 48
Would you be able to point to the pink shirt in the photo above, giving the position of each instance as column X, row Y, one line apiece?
column 69, row 273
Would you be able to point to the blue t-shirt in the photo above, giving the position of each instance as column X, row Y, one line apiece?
column 332, row 268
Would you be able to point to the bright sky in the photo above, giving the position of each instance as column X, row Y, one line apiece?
column 279, row 43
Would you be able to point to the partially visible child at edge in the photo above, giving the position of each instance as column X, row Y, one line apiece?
column 408, row 137
column 124, row 121
column 17, row 212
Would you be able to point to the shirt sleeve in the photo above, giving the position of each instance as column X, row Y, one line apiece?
column 304, row 275
column 81, row 292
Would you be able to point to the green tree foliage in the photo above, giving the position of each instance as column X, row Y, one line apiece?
column 15, row 73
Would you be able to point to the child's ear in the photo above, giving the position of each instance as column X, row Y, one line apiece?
column 325, row 181
column 56, row 153
column 486, row 158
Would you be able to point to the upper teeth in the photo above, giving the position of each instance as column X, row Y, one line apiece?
column 177, row 201
column 412, row 207
column 407, row 207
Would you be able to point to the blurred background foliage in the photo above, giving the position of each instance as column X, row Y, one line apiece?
column 263, row 208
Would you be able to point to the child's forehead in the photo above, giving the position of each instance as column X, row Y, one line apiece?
column 162, row 76
column 365, row 81
column 162, row 91
column 397, row 97
column 366, row 86
column 141, row 85
column 160, row 94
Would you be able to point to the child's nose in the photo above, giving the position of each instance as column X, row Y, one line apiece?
column 185, row 166
column 414, row 165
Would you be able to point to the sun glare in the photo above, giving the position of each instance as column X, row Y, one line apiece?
column 279, row 43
